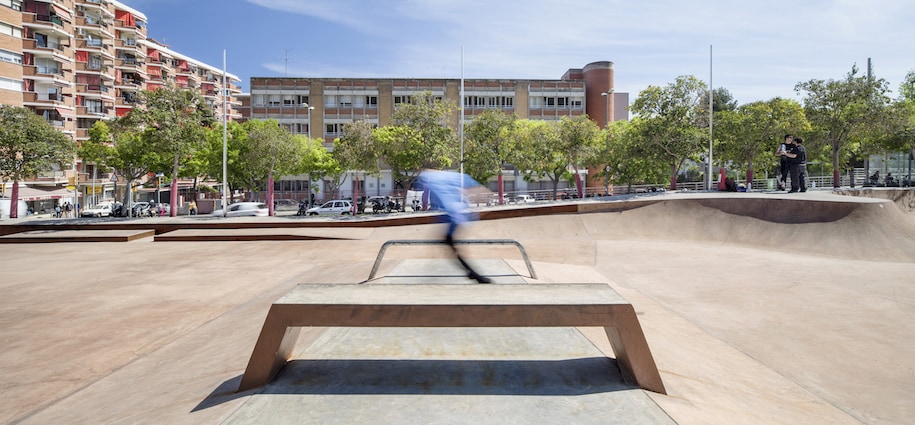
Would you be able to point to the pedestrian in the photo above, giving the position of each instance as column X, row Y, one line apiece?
column 192, row 207
column 57, row 211
column 67, row 209
column 783, row 166
column 445, row 190
column 797, row 162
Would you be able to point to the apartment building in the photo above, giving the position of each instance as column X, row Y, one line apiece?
column 75, row 62
column 319, row 107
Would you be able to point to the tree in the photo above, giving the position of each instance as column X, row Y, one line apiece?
column 29, row 146
column 748, row 136
column 628, row 161
column 173, row 121
column 580, row 140
column 418, row 138
column 317, row 162
column 901, row 130
column 356, row 149
column 120, row 148
column 271, row 149
column 844, row 110
column 535, row 149
column 483, row 141
column 670, row 121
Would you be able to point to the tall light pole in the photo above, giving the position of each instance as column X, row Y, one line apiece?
column 225, row 129
column 308, row 110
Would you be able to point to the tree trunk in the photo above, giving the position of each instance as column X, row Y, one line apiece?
column 14, row 200
column 269, row 202
column 836, row 178
column 501, row 186
column 673, row 177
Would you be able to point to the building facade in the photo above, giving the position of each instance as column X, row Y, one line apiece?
column 319, row 107
column 75, row 62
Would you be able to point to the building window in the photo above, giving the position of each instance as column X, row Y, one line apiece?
column 258, row 100
column 10, row 84
column 7, row 29
column 274, row 100
column 331, row 129
column 301, row 101
column 371, row 101
column 577, row 103
column 288, row 100
column 94, row 106
column 12, row 4
column 7, row 56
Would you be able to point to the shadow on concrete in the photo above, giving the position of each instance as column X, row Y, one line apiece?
column 570, row 377
column 464, row 377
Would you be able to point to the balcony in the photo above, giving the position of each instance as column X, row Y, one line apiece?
column 129, row 63
column 94, row 44
column 48, row 21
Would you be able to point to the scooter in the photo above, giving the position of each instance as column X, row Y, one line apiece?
column 303, row 208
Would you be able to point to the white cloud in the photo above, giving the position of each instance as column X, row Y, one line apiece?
column 762, row 49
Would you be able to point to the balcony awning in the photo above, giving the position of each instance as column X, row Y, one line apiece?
column 64, row 112
column 122, row 111
column 63, row 13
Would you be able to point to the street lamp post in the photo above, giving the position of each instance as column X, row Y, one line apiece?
column 308, row 110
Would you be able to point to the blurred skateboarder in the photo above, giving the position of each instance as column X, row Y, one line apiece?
column 445, row 190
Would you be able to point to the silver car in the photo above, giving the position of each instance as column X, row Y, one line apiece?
column 335, row 207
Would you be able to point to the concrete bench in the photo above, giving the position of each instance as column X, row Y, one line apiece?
column 386, row 245
column 452, row 305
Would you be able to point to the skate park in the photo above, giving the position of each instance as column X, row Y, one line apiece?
column 758, row 308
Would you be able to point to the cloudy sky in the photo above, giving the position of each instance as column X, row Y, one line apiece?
column 759, row 49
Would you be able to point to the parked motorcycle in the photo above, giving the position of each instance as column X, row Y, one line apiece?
column 303, row 207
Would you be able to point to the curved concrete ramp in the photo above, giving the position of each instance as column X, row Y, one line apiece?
column 758, row 308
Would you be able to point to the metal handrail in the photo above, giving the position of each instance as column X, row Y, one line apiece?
column 384, row 248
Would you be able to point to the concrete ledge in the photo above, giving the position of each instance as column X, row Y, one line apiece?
column 51, row 236
column 437, row 305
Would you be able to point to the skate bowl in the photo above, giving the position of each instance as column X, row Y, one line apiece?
column 759, row 308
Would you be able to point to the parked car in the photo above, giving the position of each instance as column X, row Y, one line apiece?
column 99, row 210
column 244, row 209
column 335, row 207
column 523, row 199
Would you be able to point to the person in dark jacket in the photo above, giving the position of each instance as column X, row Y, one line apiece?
column 797, row 165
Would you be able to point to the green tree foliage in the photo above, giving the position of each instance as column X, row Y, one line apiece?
column 419, row 137
column 536, row 150
column 270, row 149
column 841, row 111
column 29, row 146
column 319, row 164
column 901, row 129
column 119, row 146
column 356, row 148
column 670, row 122
column 173, row 122
column 629, row 162
column 483, row 140
column 749, row 135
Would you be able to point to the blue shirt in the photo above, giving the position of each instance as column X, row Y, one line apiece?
column 444, row 189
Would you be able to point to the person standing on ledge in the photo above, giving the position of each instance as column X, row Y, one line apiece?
column 445, row 190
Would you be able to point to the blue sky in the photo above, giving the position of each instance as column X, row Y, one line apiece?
column 760, row 49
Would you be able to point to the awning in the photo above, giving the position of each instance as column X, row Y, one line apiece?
column 122, row 111
column 63, row 13
column 64, row 112
column 38, row 194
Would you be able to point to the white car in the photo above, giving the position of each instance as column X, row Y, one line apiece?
column 100, row 210
column 243, row 209
column 335, row 207
column 523, row 199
